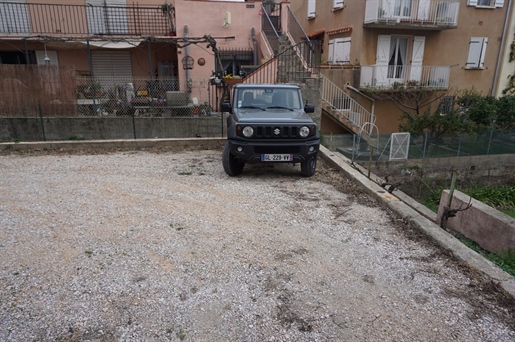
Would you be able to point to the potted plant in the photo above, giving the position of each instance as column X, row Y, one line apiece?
column 169, row 12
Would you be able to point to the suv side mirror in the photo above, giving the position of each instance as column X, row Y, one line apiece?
column 309, row 108
column 226, row 107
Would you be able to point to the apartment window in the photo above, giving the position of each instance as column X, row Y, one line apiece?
column 339, row 51
column 402, row 8
column 337, row 4
column 485, row 3
column 447, row 105
column 312, row 4
column 398, row 57
column 477, row 51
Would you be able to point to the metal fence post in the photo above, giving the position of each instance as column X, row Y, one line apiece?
column 489, row 142
column 41, row 120
column 133, row 124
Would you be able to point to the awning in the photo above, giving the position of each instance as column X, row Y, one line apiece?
column 316, row 33
column 340, row 30
column 107, row 44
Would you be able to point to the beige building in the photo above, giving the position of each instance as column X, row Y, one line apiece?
column 121, row 42
column 381, row 45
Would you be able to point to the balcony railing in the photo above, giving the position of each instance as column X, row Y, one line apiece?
column 405, row 76
column 84, row 20
column 430, row 14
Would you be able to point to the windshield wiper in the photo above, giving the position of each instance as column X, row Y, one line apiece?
column 251, row 107
column 279, row 107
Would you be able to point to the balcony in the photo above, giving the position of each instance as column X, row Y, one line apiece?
column 25, row 20
column 394, row 77
column 412, row 14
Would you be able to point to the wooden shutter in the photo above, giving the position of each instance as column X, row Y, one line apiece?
column 312, row 4
column 342, row 50
column 337, row 4
column 417, row 57
column 477, row 50
column 382, row 57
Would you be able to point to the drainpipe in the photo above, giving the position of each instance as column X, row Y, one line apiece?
column 186, row 49
column 499, row 57
column 254, row 40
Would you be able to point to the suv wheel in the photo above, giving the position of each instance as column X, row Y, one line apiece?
column 232, row 165
column 308, row 167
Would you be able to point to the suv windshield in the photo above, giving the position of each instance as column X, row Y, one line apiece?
column 263, row 98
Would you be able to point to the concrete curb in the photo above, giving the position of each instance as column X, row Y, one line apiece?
column 402, row 205
column 206, row 143
column 405, row 208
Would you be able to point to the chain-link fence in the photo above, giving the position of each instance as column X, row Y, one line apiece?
column 144, row 97
column 390, row 147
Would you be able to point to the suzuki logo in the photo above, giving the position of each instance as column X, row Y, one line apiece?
column 277, row 131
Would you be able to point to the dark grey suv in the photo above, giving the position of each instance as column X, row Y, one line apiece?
column 269, row 124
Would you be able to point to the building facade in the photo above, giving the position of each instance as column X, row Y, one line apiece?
column 121, row 40
column 380, row 45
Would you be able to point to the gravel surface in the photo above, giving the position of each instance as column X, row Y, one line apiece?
column 164, row 246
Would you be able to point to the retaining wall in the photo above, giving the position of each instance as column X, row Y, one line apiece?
column 488, row 227
column 98, row 128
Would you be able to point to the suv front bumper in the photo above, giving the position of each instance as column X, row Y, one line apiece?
column 251, row 151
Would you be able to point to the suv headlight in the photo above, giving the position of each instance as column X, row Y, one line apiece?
column 304, row 131
column 248, row 131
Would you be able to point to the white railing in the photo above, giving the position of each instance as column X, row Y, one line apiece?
column 345, row 105
column 426, row 12
column 407, row 76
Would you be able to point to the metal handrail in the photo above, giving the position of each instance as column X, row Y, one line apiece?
column 299, row 26
column 340, row 102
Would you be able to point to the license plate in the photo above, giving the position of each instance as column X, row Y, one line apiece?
column 276, row 157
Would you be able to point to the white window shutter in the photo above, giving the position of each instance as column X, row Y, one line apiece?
column 330, row 54
column 472, row 2
column 483, row 53
column 383, row 54
column 312, row 4
column 499, row 3
column 337, row 4
column 342, row 50
column 383, row 49
column 417, row 57
column 477, row 49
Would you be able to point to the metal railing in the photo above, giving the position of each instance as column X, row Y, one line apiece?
column 269, row 28
column 426, row 12
column 286, row 66
column 342, row 104
column 141, row 96
column 405, row 76
column 295, row 31
column 84, row 20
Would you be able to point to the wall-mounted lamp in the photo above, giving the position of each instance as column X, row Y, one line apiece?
column 227, row 19
column 46, row 59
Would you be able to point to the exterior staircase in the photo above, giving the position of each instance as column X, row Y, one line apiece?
column 296, row 61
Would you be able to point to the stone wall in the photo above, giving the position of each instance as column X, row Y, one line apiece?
column 98, row 128
column 488, row 227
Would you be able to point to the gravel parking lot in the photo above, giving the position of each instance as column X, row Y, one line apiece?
column 162, row 245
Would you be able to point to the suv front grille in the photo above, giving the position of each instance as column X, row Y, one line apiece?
column 277, row 132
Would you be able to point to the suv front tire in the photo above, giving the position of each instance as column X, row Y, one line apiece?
column 232, row 165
